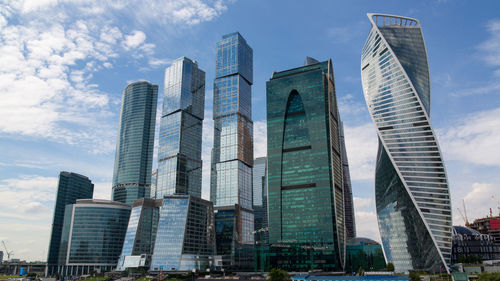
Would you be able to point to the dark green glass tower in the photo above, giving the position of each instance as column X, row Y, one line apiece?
column 71, row 186
column 306, row 201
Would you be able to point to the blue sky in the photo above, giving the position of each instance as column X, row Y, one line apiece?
column 63, row 65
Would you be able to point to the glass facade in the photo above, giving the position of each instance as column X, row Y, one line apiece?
column 305, row 186
column 141, row 230
column 232, row 154
column 469, row 243
column 135, row 142
column 185, row 238
column 179, row 154
column 260, row 200
column 71, row 186
column 411, row 188
column 364, row 253
column 93, row 235
column 350, row 221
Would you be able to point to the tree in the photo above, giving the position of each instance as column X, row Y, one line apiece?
column 486, row 276
column 414, row 276
column 390, row 266
column 277, row 274
column 361, row 272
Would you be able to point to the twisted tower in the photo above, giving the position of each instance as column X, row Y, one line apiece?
column 411, row 187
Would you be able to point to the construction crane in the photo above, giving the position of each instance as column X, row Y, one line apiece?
column 498, row 202
column 9, row 254
column 463, row 217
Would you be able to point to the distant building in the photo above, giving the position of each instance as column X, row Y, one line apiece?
column 154, row 183
column 1, row 256
column 141, row 234
column 350, row 221
column 185, row 238
column 411, row 187
column 135, row 142
column 364, row 253
column 488, row 225
column 92, row 236
column 232, row 153
column 305, row 179
column 179, row 153
column 71, row 187
column 469, row 243
column 260, row 200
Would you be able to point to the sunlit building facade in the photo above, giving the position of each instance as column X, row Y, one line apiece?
column 232, row 153
column 135, row 142
column 141, row 234
column 185, row 239
column 179, row 153
column 411, row 187
column 71, row 187
column 305, row 185
column 92, row 236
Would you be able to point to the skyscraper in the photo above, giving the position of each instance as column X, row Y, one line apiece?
column 232, row 154
column 411, row 188
column 185, row 239
column 92, row 236
column 260, row 200
column 71, row 187
column 179, row 155
column 134, row 146
column 305, row 186
column 350, row 221
column 141, row 234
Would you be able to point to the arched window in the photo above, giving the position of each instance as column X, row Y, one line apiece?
column 296, row 132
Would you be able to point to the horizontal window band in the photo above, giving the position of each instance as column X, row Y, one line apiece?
column 289, row 187
column 302, row 112
column 297, row 148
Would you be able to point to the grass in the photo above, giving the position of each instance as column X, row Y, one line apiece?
column 5, row 277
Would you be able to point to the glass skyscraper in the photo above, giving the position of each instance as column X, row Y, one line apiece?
column 305, row 185
column 185, row 239
column 260, row 200
column 135, row 142
column 350, row 220
column 141, row 233
column 232, row 154
column 179, row 154
column 411, row 187
column 92, row 236
column 71, row 187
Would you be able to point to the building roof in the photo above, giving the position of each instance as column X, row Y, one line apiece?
column 356, row 241
column 458, row 229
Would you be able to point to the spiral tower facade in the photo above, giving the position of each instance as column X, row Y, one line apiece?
column 411, row 186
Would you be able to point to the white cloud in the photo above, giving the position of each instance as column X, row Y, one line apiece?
column 362, row 203
column 491, row 48
column 367, row 225
column 135, row 39
column 361, row 145
column 260, row 138
column 474, row 139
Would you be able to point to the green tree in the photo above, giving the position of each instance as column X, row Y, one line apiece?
column 414, row 276
column 277, row 274
column 361, row 272
column 486, row 276
column 390, row 266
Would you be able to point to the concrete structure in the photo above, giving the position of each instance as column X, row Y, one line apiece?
column 411, row 187
column 135, row 142
column 489, row 226
column 469, row 243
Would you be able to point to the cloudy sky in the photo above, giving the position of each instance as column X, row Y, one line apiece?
column 63, row 65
